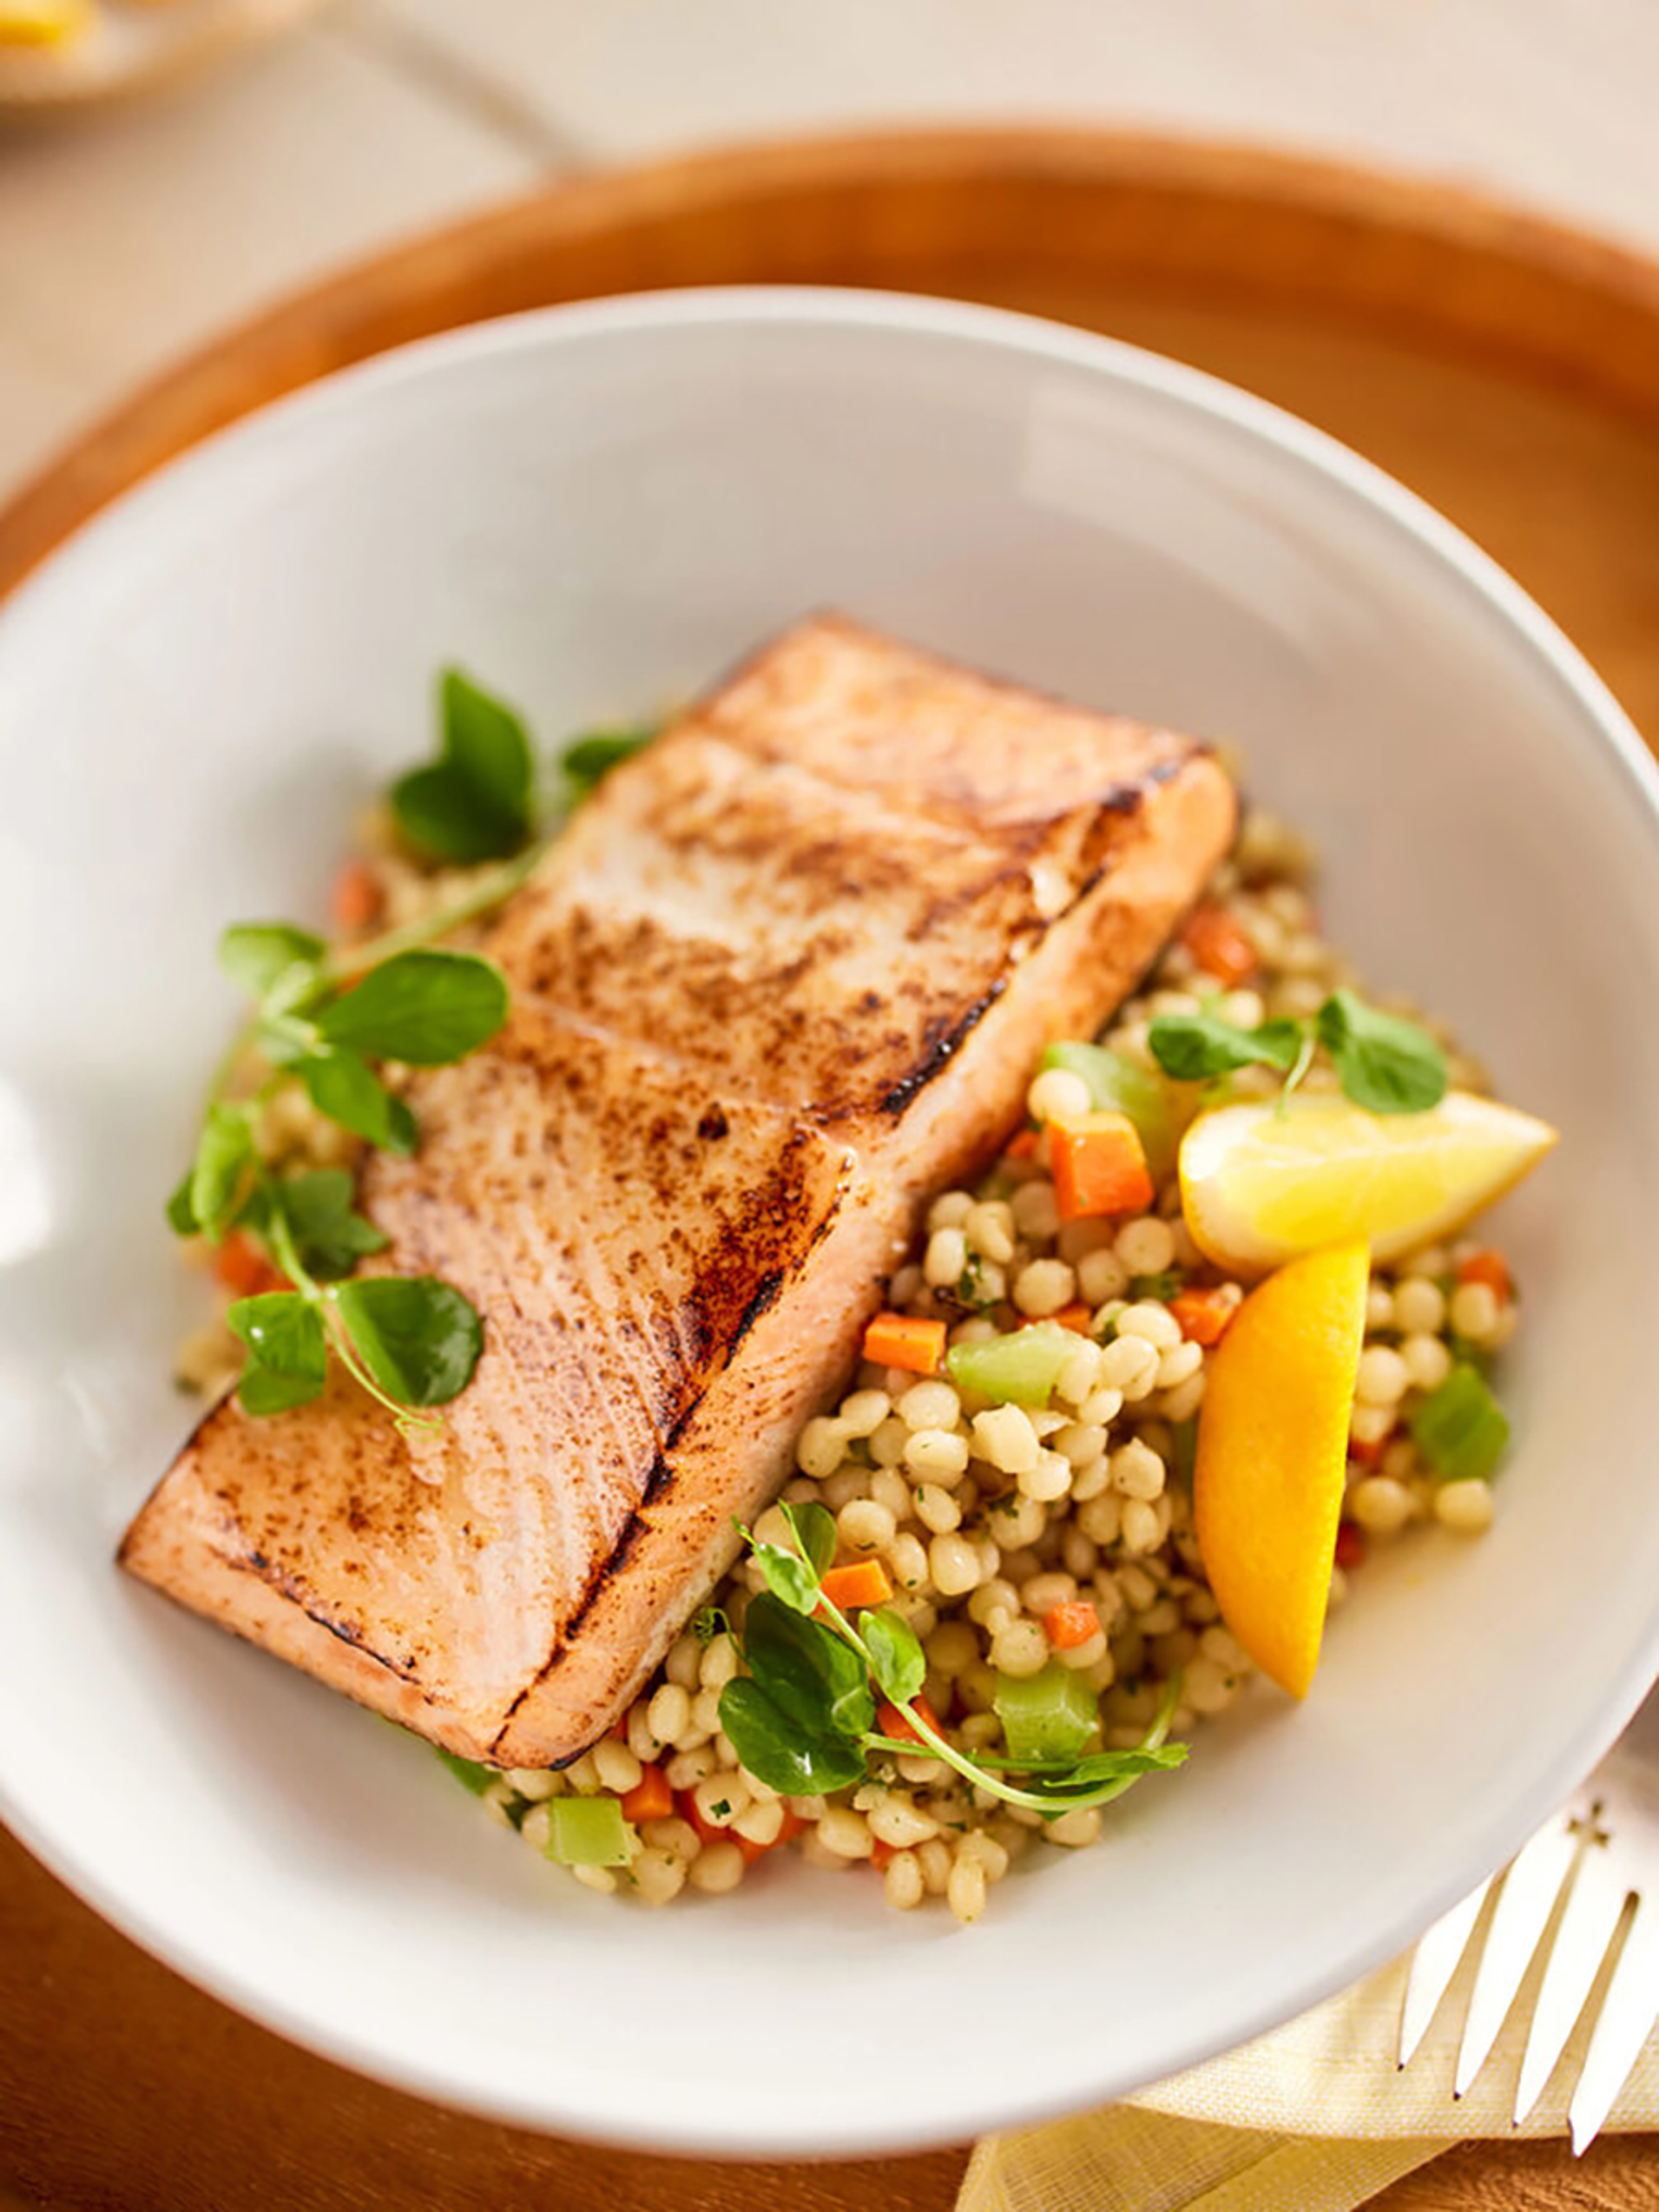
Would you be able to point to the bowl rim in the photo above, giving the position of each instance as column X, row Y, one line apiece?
column 945, row 2118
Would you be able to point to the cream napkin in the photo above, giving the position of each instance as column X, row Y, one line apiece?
column 1314, row 2117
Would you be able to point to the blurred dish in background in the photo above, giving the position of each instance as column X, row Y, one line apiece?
column 59, row 56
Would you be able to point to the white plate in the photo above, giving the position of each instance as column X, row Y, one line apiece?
column 591, row 508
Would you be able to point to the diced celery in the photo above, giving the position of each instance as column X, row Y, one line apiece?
column 588, row 1831
column 1045, row 1716
column 468, row 1773
column 1018, row 1369
column 1184, row 1452
column 1118, row 1086
column 1461, row 1429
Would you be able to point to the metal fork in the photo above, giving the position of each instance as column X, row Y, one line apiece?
column 1597, row 1863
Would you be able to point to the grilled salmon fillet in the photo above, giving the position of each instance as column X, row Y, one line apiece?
column 785, row 975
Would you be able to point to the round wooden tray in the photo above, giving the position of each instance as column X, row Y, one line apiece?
column 1508, row 370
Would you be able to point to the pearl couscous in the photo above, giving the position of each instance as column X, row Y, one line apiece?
column 1012, row 1537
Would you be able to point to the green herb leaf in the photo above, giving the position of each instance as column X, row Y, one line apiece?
column 969, row 1291
column 285, row 1040
column 487, row 741
column 287, row 1352
column 1162, row 1288
column 181, row 1208
column 1385, row 1065
column 779, row 1750
column 418, row 1338
column 588, row 759
column 1194, row 1047
column 441, row 816
column 789, row 1577
column 426, row 1007
column 329, row 1236
column 224, row 1154
column 794, row 1576
column 588, row 1831
column 897, row 1658
column 808, row 1669
column 254, row 954
column 1461, row 1429
column 710, row 1622
column 468, row 1772
column 344, row 1087
column 1122, row 1767
column 476, row 802
column 813, row 1526
column 1045, row 1717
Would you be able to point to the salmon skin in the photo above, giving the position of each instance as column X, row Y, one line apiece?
column 785, row 975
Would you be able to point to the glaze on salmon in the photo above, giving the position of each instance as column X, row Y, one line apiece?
column 785, row 975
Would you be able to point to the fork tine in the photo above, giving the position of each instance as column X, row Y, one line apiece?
column 1595, row 1907
column 1627, row 2015
column 1524, row 1904
column 1433, row 1964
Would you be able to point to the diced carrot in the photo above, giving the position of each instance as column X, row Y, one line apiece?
column 241, row 1267
column 651, row 1798
column 1098, row 1167
column 1204, row 1315
column 892, row 1720
column 1350, row 1546
column 882, row 1855
column 1080, row 1318
column 1218, row 945
column 1490, row 1268
column 1368, row 1455
column 900, row 1340
column 864, row 1582
column 1022, row 1146
column 357, row 897
column 1065, row 1626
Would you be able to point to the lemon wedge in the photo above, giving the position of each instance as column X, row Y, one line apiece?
column 42, row 22
column 1272, row 1443
column 1260, row 1185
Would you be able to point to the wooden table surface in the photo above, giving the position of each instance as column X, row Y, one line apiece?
column 121, row 2088
column 129, row 239
column 1511, row 372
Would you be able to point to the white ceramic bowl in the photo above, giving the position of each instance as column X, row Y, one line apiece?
column 593, row 508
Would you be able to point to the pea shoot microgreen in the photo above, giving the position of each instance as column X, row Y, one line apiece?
column 1383, row 1063
column 481, row 798
column 327, row 1019
column 476, row 801
column 803, row 1718
column 586, row 761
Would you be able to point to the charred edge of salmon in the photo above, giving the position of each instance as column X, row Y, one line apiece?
column 941, row 1053
column 290, row 1586
column 244, row 1559
column 1123, row 800
column 661, row 1478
